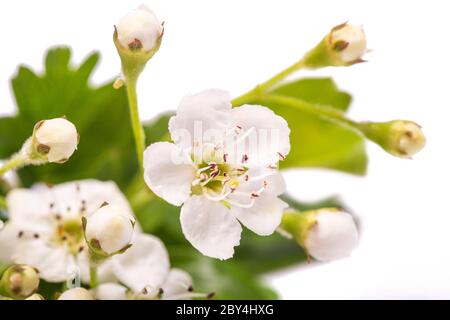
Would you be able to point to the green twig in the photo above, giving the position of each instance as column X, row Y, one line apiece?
column 138, row 130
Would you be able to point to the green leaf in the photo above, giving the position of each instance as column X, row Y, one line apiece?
column 106, row 149
column 318, row 141
column 321, row 91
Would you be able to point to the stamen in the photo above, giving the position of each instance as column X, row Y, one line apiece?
column 282, row 157
column 244, row 158
column 225, row 157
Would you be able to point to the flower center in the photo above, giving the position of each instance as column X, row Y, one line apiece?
column 69, row 233
column 218, row 179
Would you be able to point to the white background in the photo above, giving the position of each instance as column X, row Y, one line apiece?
column 232, row 45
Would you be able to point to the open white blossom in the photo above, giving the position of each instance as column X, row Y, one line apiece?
column 45, row 229
column 332, row 236
column 110, row 229
column 226, row 175
column 56, row 139
column 139, row 29
column 349, row 41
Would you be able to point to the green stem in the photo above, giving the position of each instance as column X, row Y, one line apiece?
column 93, row 273
column 2, row 202
column 267, row 85
column 268, row 99
column 14, row 162
column 138, row 130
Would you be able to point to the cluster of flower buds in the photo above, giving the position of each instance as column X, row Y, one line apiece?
column 325, row 234
column 19, row 281
column 108, row 231
column 344, row 45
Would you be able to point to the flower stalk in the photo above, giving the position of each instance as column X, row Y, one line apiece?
column 138, row 130
column 15, row 162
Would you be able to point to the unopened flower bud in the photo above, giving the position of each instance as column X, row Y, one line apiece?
column 76, row 294
column 326, row 234
column 54, row 140
column 137, row 37
column 348, row 41
column 35, row 296
column 19, row 281
column 139, row 29
column 400, row 138
column 109, row 231
column 344, row 45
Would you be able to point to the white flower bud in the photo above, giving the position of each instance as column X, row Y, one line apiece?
column 139, row 29
column 408, row 138
column 332, row 235
column 349, row 42
column 76, row 294
column 109, row 229
column 35, row 296
column 55, row 140
column 401, row 138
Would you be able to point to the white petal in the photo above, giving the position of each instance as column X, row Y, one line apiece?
column 178, row 282
column 29, row 209
column 210, row 227
column 55, row 264
column 268, row 136
column 8, row 243
column 145, row 264
column 271, row 179
column 264, row 217
column 334, row 236
column 202, row 117
column 110, row 291
column 165, row 176
column 90, row 194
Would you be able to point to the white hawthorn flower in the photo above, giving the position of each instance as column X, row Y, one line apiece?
column 349, row 42
column 109, row 229
column 45, row 228
column 55, row 140
column 331, row 236
column 76, row 294
column 226, row 175
column 139, row 29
